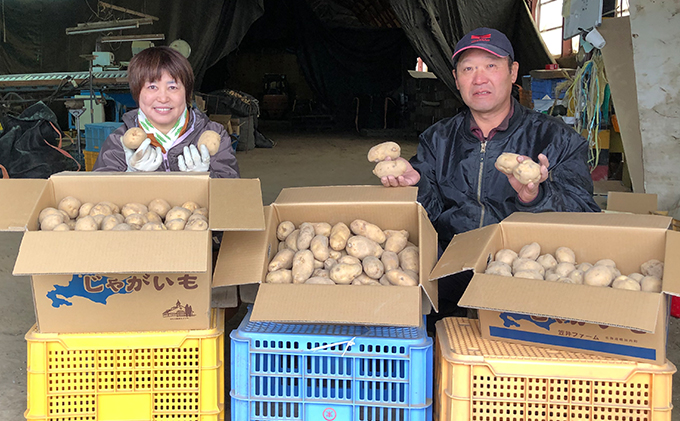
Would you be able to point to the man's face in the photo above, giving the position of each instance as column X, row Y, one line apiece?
column 485, row 81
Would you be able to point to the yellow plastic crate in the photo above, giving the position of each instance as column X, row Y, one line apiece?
column 172, row 375
column 481, row 380
column 90, row 158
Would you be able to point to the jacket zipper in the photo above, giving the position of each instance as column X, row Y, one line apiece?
column 479, row 183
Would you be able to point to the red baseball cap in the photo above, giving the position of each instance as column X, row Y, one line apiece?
column 486, row 39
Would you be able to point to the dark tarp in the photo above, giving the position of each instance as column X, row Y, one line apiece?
column 341, row 64
column 435, row 26
column 343, row 61
column 34, row 39
column 30, row 144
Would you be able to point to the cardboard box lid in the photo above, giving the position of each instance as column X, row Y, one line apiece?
column 346, row 194
column 606, row 306
column 242, row 255
column 671, row 270
column 63, row 253
column 589, row 218
column 19, row 197
column 639, row 203
column 338, row 304
column 464, row 251
column 236, row 204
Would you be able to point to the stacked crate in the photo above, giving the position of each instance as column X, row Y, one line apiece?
column 95, row 135
column 478, row 379
column 327, row 372
column 130, row 376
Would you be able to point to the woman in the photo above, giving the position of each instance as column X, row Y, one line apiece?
column 161, row 82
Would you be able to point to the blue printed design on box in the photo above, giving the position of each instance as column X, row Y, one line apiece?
column 512, row 320
column 512, row 330
column 95, row 288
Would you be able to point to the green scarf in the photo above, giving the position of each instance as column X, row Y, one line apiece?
column 165, row 139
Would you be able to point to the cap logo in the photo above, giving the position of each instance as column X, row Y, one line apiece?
column 478, row 38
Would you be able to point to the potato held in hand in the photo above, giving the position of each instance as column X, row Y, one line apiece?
column 507, row 162
column 211, row 140
column 382, row 150
column 134, row 137
column 528, row 172
column 393, row 168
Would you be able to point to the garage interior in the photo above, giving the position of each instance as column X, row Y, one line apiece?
column 306, row 87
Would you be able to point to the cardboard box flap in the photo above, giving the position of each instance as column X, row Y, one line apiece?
column 77, row 252
column 589, row 218
column 293, row 303
column 607, row 306
column 236, row 204
column 639, row 203
column 466, row 251
column 242, row 255
column 240, row 259
column 342, row 194
column 18, row 199
column 428, row 257
column 671, row 270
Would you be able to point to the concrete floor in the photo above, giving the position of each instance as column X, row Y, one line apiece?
column 300, row 159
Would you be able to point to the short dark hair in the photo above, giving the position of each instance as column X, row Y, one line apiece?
column 148, row 66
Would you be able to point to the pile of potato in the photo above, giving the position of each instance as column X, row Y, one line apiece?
column 562, row 267
column 358, row 254
column 71, row 214
column 383, row 168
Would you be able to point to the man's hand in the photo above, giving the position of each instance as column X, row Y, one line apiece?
column 194, row 161
column 529, row 192
column 145, row 158
column 409, row 178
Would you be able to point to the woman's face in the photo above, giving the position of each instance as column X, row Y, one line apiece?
column 163, row 101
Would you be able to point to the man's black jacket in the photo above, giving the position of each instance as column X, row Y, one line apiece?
column 462, row 190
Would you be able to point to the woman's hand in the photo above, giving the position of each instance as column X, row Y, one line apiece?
column 194, row 161
column 409, row 178
column 145, row 158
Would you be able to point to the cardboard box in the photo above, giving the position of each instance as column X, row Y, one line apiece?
column 236, row 126
column 625, row 324
column 638, row 203
column 225, row 120
column 116, row 281
column 394, row 208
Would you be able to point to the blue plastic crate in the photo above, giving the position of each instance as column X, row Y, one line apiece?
column 96, row 134
column 330, row 372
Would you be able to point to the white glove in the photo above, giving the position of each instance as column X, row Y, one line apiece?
column 193, row 161
column 145, row 158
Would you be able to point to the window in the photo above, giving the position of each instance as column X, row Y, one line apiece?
column 548, row 17
column 622, row 7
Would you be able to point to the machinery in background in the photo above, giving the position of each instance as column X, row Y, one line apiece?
column 275, row 98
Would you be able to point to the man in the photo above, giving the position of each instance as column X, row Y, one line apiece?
column 454, row 170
